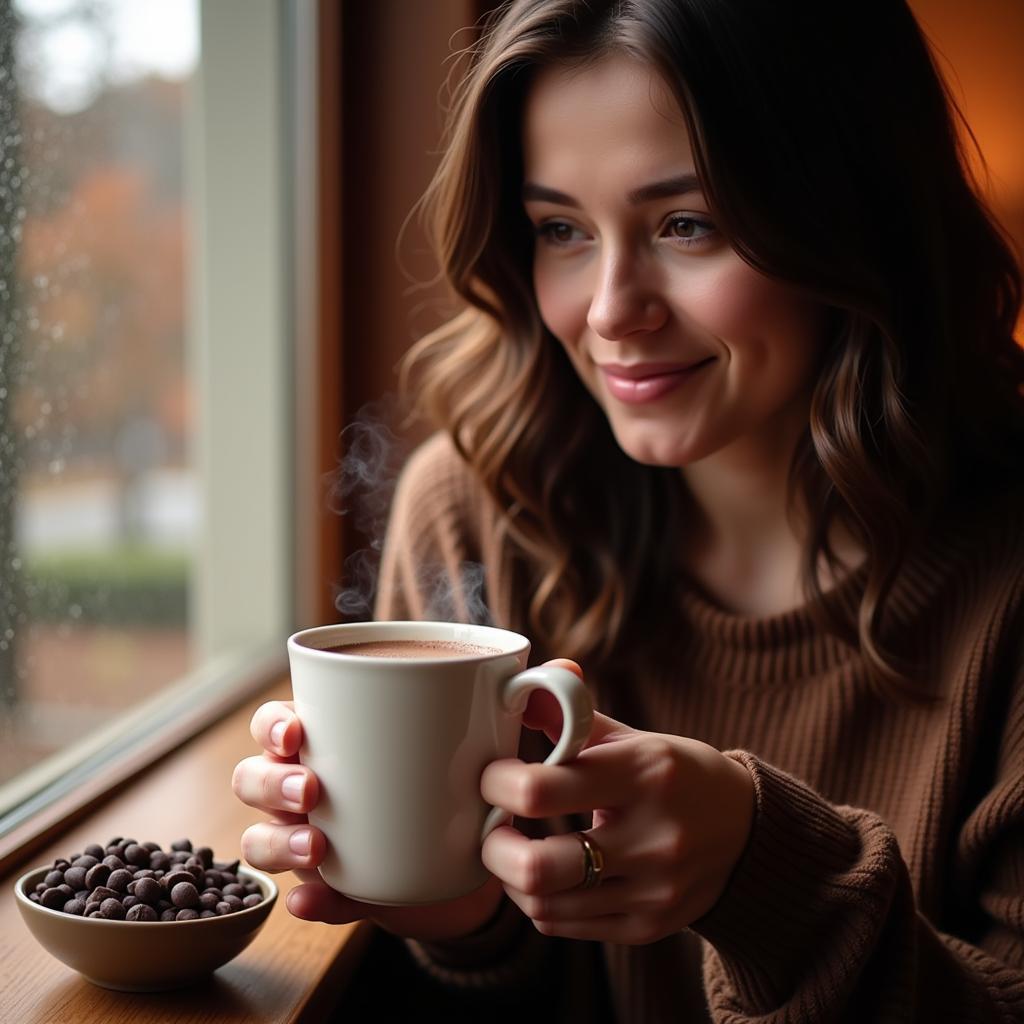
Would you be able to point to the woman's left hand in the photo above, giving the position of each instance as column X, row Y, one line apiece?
column 671, row 817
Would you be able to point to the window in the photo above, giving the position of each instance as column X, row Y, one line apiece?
column 144, row 372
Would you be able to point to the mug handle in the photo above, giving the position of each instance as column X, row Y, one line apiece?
column 577, row 718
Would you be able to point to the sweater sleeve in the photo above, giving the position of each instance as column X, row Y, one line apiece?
column 819, row 922
column 431, row 569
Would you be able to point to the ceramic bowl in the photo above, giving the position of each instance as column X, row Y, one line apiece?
column 138, row 956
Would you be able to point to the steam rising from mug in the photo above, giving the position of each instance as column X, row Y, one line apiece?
column 363, row 485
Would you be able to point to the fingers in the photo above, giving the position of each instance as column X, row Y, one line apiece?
column 567, row 664
column 620, row 929
column 278, row 846
column 276, row 728
column 574, row 905
column 275, row 785
column 315, row 900
column 544, row 867
column 599, row 777
column 543, row 878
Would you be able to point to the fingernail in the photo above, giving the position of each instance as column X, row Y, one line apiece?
column 300, row 842
column 292, row 786
column 277, row 733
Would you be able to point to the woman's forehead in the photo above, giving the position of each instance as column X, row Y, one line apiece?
column 608, row 84
column 616, row 118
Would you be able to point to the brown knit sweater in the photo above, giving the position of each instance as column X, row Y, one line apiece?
column 884, row 876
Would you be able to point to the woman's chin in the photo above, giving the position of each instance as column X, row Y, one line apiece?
column 659, row 451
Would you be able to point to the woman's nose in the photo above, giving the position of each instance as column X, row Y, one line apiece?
column 625, row 300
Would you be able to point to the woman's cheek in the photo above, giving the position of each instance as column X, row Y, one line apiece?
column 729, row 300
column 753, row 316
column 552, row 301
column 563, row 310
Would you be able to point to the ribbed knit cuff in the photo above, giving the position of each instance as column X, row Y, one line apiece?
column 806, row 900
column 506, row 953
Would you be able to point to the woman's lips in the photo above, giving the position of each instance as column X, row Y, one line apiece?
column 647, row 383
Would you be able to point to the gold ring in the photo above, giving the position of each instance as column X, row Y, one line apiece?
column 593, row 861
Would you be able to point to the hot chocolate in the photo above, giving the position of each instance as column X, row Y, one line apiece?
column 414, row 649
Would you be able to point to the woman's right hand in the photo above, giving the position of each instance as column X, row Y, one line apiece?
column 275, row 782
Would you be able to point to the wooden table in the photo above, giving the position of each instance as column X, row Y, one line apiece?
column 292, row 971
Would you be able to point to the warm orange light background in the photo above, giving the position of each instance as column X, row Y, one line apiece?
column 979, row 47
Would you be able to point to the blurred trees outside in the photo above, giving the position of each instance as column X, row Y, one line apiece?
column 96, row 491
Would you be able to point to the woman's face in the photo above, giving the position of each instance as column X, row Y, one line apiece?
column 689, row 350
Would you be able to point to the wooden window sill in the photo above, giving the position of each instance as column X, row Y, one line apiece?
column 292, row 971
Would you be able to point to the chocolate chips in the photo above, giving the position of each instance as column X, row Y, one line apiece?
column 131, row 881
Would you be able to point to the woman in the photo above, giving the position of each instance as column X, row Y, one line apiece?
column 733, row 418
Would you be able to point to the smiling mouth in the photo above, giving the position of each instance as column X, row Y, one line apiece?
column 634, row 385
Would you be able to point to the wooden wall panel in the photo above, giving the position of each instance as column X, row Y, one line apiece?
column 979, row 47
column 384, row 66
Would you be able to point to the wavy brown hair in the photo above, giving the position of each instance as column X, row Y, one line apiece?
column 826, row 144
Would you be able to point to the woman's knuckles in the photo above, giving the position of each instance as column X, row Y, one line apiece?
column 253, row 783
column 664, row 770
column 248, row 782
column 268, row 787
column 675, row 847
column 530, row 792
column 539, row 908
column 253, row 850
column 265, row 845
column 237, row 780
column 668, row 896
column 530, row 870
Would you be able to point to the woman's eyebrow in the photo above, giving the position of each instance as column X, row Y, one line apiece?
column 677, row 186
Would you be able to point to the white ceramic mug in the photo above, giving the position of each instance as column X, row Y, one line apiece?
column 399, row 745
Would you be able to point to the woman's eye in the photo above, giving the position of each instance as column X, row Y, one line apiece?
column 689, row 230
column 685, row 230
column 557, row 232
